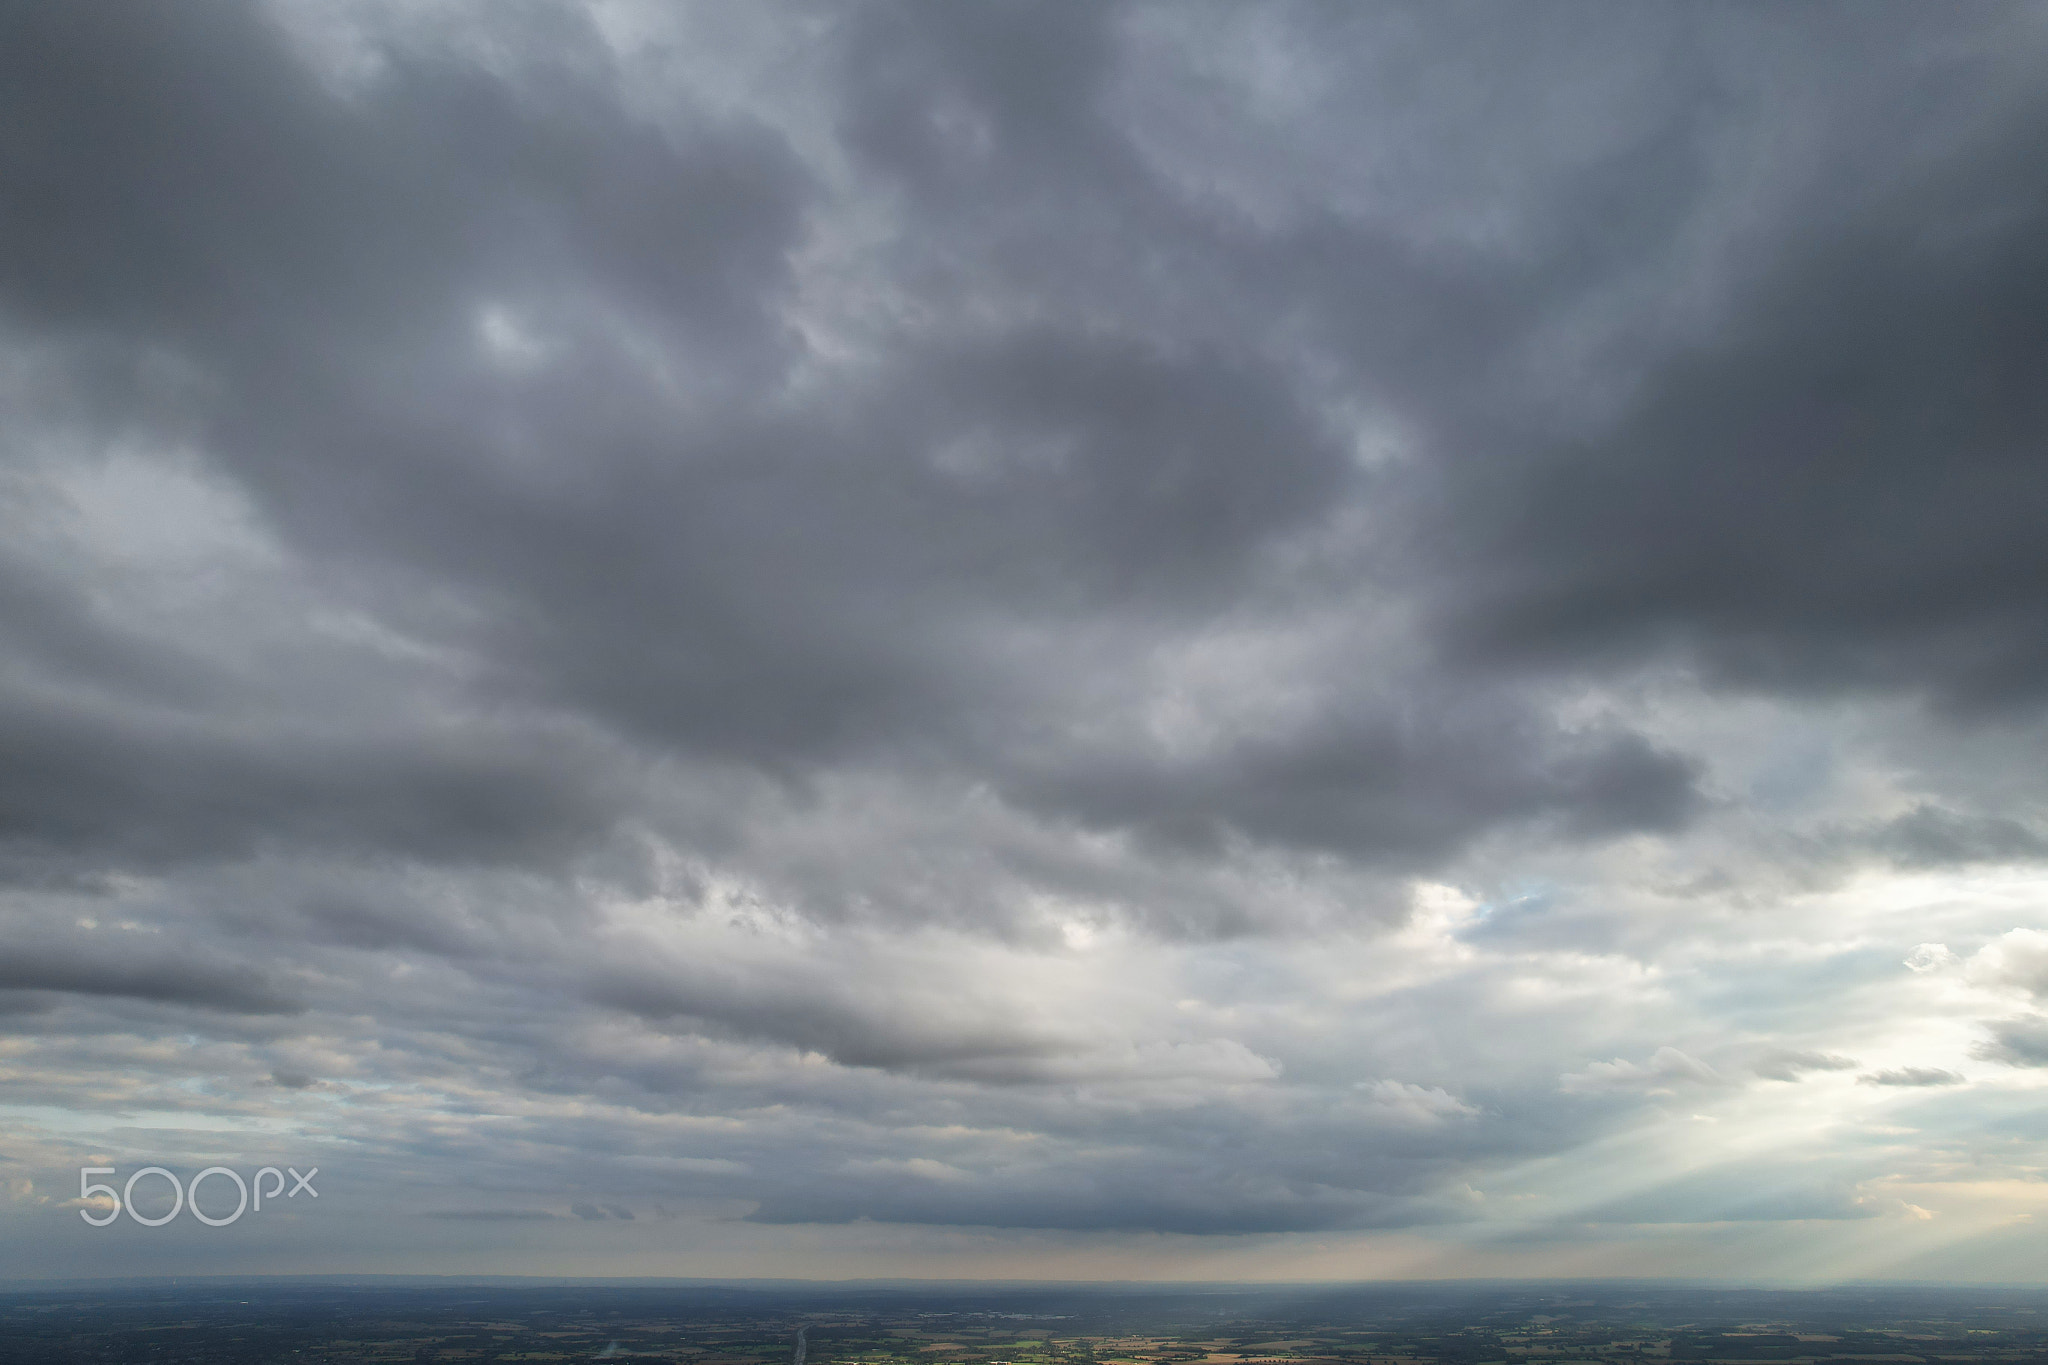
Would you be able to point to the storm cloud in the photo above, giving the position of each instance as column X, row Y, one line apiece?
column 1114, row 622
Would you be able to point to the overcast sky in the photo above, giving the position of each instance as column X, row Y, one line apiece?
column 1185, row 640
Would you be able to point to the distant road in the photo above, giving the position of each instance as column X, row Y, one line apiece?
column 800, row 1346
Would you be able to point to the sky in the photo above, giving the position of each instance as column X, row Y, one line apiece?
column 1138, row 641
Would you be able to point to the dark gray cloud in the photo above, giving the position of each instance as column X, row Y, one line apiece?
column 715, row 572
column 1835, row 489
column 145, row 972
column 1928, row 836
column 1106, row 619
column 2016, row 1042
column 1401, row 788
column 850, row 1021
column 113, row 787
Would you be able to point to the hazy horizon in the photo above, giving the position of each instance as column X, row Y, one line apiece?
column 979, row 1284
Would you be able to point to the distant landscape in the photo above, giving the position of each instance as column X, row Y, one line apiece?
column 216, row 1323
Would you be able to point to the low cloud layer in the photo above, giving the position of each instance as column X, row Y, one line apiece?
column 1295, row 641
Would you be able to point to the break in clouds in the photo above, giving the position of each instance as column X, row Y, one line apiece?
column 1050, row 639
